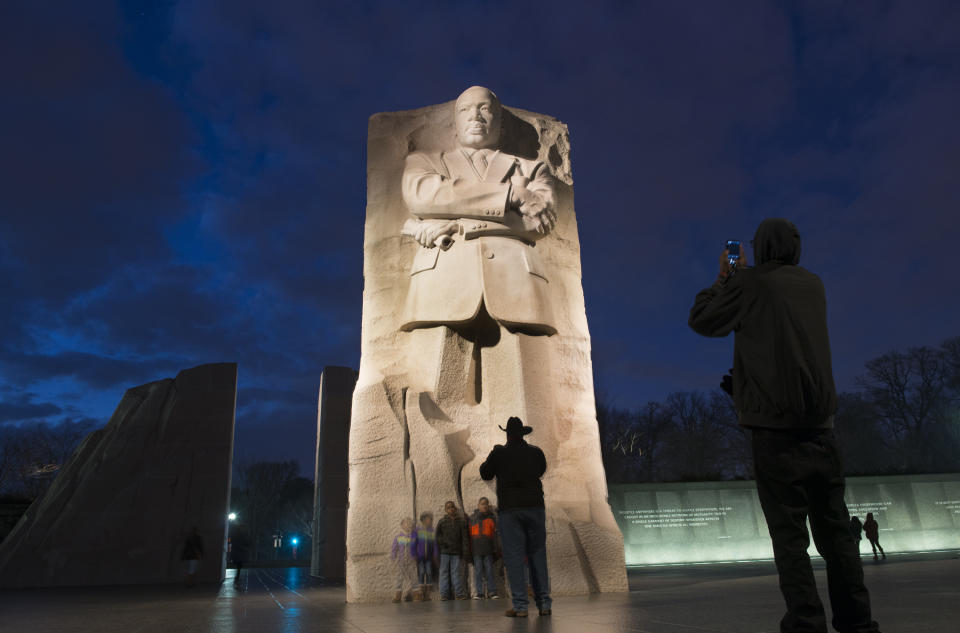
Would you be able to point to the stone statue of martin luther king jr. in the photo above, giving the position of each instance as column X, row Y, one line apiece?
column 478, row 215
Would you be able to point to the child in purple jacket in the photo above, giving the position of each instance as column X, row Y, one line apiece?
column 404, row 557
column 426, row 555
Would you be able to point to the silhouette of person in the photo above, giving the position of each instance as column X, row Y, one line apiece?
column 856, row 529
column 872, row 530
column 192, row 554
column 239, row 549
column 518, row 467
column 784, row 393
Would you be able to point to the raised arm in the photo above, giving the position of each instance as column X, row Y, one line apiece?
column 488, row 469
column 718, row 310
column 431, row 194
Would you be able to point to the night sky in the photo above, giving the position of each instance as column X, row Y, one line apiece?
column 184, row 182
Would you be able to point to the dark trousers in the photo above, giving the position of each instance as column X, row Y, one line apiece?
column 523, row 532
column 799, row 475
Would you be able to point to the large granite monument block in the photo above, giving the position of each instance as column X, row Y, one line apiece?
column 473, row 312
column 120, row 509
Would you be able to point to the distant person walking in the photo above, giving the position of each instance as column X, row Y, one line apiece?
column 518, row 467
column 784, row 392
column 872, row 530
column 856, row 530
column 239, row 550
column 192, row 554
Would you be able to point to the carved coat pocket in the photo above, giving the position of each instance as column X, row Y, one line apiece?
column 425, row 259
column 534, row 267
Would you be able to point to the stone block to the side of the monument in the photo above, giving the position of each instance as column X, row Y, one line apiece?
column 122, row 505
column 331, row 474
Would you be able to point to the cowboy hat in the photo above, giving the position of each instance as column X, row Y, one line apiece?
column 515, row 427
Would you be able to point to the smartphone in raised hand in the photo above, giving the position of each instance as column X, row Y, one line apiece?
column 733, row 252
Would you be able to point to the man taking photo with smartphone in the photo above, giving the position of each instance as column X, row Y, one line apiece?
column 784, row 393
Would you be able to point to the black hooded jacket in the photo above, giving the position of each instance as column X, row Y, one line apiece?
column 782, row 375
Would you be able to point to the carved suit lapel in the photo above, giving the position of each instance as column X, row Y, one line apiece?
column 499, row 167
column 458, row 165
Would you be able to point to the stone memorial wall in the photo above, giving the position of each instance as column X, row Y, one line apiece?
column 722, row 521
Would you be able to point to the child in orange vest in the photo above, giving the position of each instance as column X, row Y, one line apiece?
column 483, row 542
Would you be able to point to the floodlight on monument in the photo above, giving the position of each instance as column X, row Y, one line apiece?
column 232, row 516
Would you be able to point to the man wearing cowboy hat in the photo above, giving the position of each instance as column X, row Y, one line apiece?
column 518, row 467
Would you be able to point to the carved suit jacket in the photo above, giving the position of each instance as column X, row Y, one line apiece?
column 493, row 260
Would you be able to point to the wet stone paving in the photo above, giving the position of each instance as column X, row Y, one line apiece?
column 910, row 594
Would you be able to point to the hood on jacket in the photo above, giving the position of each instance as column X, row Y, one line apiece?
column 776, row 240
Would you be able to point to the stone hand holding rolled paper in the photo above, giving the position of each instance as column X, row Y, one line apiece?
column 430, row 233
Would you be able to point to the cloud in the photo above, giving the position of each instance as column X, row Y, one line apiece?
column 22, row 409
column 185, row 183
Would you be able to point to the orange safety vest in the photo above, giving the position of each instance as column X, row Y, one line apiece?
column 486, row 528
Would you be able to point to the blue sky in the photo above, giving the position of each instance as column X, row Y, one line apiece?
column 184, row 182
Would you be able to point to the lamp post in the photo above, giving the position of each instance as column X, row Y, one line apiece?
column 230, row 518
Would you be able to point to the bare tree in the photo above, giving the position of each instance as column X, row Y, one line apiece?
column 866, row 448
column 737, row 449
column 951, row 356
column 32, row 455
column 261, row 486
column 909, row 391
column 8, row 459
column 619, row 442
column 655, row 424
column 701, row 437
column 296, row 511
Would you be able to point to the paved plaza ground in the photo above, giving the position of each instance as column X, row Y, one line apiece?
column 911, row 594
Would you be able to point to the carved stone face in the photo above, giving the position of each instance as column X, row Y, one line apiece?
column 477, row 117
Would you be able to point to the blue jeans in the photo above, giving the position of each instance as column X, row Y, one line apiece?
column 450, row 566
column 425, row 572
column 524, row 533
column 483, row 568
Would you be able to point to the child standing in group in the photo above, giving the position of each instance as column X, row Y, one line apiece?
column 483, row 543
column 454, row 545
column 426, row 554
column 403, row 554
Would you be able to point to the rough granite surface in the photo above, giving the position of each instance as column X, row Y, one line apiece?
column 427, row 404
column 120, row 509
